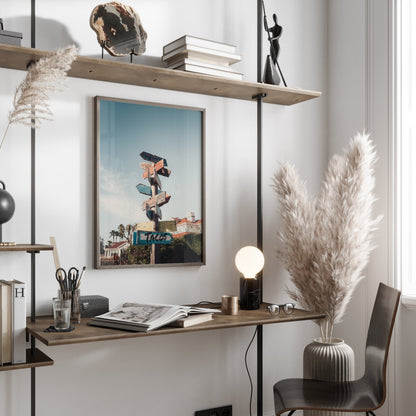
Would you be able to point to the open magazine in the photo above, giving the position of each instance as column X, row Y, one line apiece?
column 141, row 317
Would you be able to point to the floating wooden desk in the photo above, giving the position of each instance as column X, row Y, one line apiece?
column 86, row 333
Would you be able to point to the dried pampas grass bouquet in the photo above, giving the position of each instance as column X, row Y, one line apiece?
column 31, row 100
column 326, row 242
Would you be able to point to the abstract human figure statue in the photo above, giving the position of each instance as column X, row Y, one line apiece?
column 276, row 32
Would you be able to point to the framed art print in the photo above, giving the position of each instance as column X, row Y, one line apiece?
column 149, row 184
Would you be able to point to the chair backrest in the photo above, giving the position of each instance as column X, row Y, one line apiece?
column 378, row 339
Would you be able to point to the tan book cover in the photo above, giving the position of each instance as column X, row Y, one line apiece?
column 6, row 322
column 192, row 320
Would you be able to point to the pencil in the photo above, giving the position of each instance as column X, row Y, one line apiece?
column 80, row 277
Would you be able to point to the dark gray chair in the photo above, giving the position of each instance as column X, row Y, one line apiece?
column 364, row 395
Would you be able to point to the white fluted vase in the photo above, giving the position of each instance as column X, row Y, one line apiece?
column 328, row 361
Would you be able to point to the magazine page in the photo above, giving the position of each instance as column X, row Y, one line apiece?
column 142, row 314
column 144, row 317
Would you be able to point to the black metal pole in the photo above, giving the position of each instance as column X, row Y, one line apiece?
column 259, row 204
column 33, row 228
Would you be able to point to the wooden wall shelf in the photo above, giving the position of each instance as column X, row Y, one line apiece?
column 17, row 57
column 27, row 247
column 39, row 359
column 86, row 333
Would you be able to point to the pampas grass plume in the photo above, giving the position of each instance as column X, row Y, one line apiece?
column 326, row 242
column 31, row 104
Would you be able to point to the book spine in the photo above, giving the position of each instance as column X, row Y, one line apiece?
column 208, row 71
column 193, row 41
column 191, row 50
column 19, row 322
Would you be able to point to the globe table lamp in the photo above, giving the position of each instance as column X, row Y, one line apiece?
column 249, row 261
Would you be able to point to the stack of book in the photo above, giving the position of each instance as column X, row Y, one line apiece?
column 12, row 322
column 192, row 54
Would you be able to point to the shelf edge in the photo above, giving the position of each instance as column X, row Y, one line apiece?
column 40, row 359
column 17, row 57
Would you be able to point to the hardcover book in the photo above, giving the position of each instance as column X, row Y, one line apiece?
column 5, row 323
column 200, row 68
column 195, row 41
column 192, row 320
column 139, row 317
column 19, row 321
column 183, row 61
column 201, row 54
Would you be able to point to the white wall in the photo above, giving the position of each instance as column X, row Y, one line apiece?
column 173, row 375
column 360, row 96
column 347, row 116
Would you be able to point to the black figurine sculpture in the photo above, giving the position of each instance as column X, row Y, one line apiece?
column 270, row 75
column 276, row 32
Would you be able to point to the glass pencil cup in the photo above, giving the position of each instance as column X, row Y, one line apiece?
column 61, row 314
column 74, row 297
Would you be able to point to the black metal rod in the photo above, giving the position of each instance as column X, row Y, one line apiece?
column 259, row 39
column 33, row 223
column 259, row 204
column 260, row 370
column 33, row 227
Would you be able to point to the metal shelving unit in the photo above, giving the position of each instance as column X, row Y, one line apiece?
column 16, row 57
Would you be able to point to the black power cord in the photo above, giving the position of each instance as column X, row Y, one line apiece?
column 248, row 371
column 206, row 302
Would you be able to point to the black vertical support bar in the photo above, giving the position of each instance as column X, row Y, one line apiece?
column 259, row 204
column 33, row 227
column 260, row 246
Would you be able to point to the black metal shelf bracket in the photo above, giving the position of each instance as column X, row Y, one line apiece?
column 260, row 96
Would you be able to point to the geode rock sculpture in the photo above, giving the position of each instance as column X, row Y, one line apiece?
column 119, row 29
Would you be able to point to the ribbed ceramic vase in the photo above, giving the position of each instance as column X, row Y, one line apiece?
column 328, row 361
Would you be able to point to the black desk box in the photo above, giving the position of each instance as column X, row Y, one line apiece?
column 93, row 305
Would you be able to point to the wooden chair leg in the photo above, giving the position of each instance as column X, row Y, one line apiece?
column 293, row 411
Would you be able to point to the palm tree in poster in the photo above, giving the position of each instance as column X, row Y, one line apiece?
column 113, row 233
column 129, row 232
column 121, row 230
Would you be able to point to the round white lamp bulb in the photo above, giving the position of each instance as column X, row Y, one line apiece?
column 249, row 261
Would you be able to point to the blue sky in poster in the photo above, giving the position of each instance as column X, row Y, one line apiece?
column 127, row 129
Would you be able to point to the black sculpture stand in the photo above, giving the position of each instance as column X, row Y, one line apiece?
column 270, row 74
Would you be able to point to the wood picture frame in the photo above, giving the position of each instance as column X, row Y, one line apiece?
column 149, row 184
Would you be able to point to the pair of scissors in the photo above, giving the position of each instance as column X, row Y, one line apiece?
column 62, row 279
column 73, row 276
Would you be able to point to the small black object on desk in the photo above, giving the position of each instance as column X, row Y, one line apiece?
column 53, row 329
column 93, row 305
